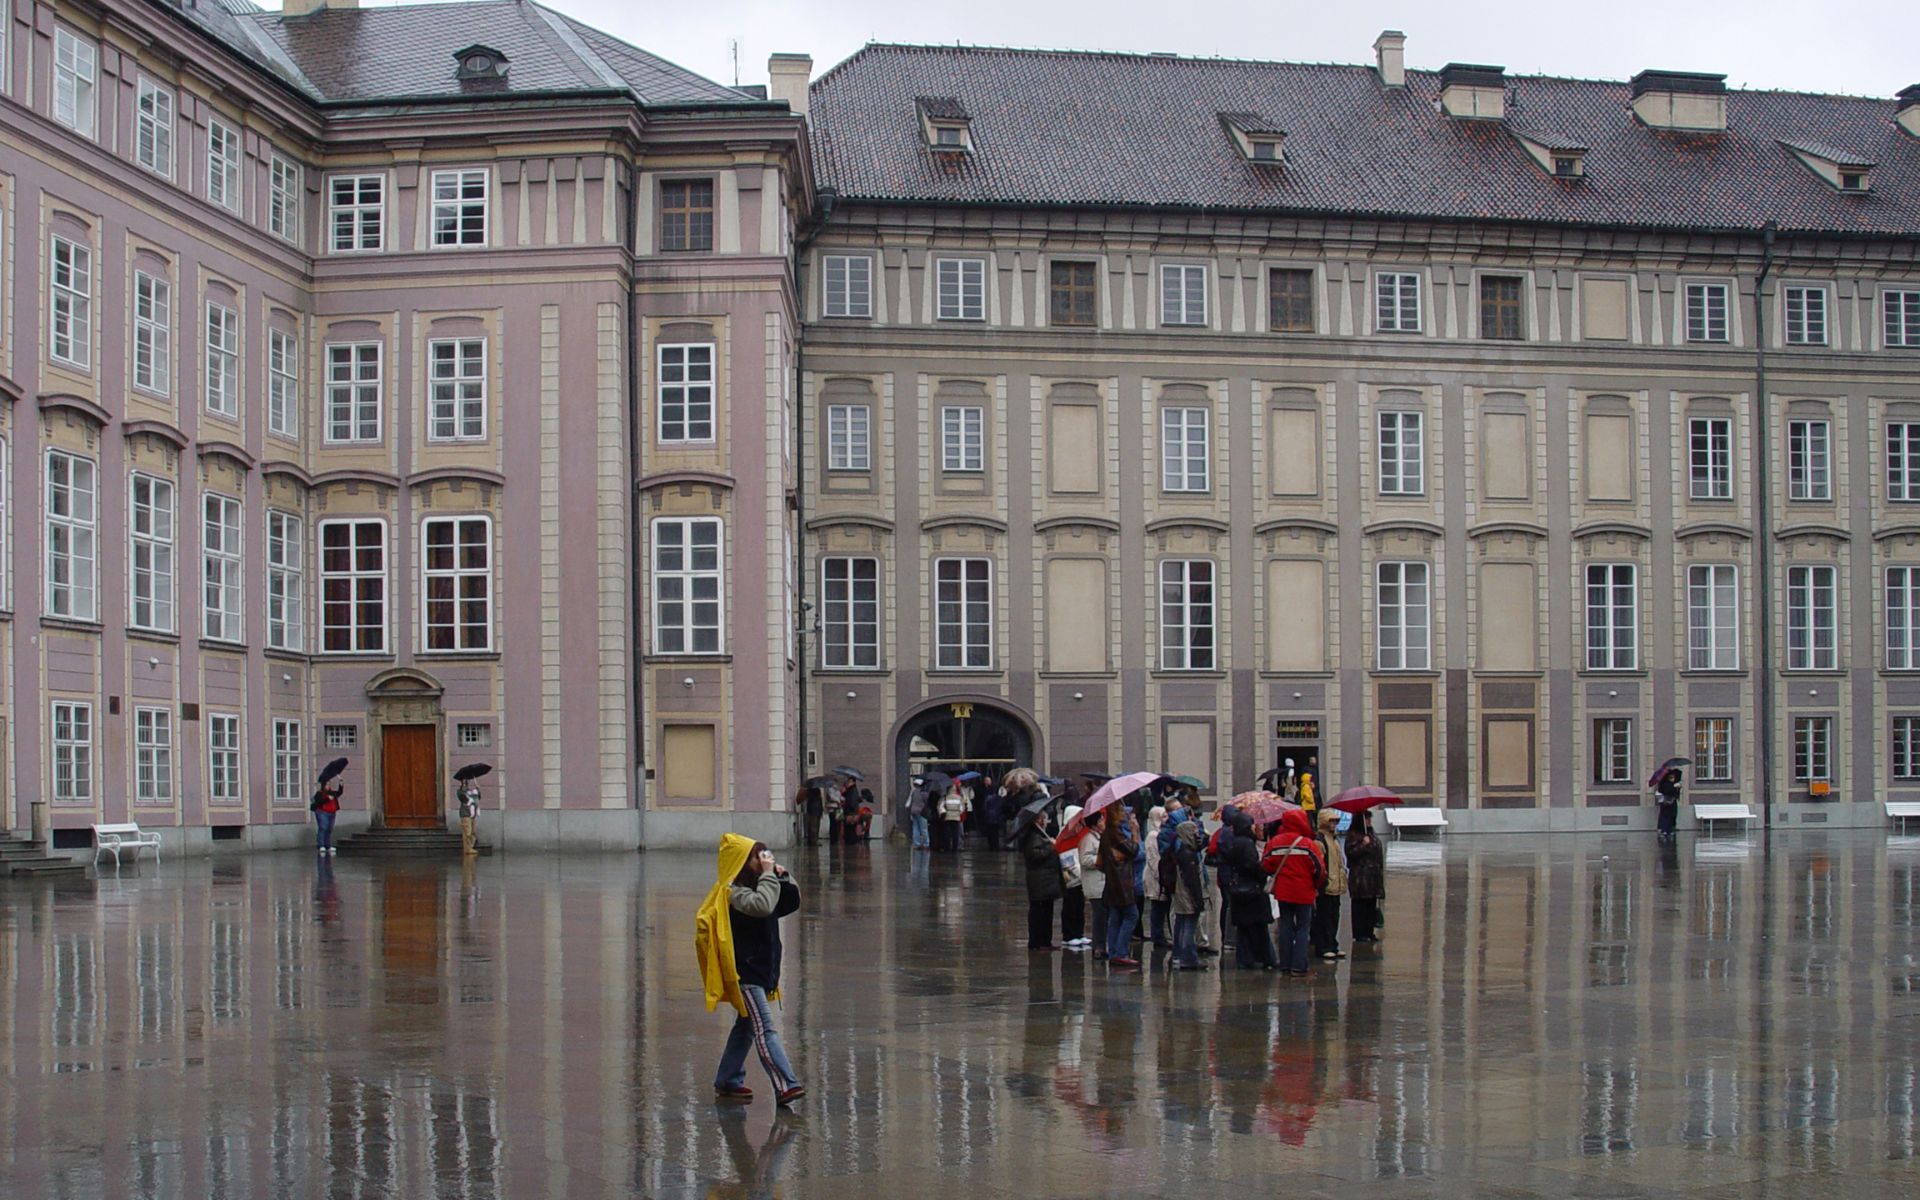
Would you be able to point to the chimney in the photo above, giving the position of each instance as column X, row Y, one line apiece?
column 1908, row 113
column 304, row 8
column 787, row 78
column 1473, row 91
column 1390, row 57
column 1684, row 100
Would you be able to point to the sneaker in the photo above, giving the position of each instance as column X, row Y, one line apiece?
column 787, row 1098
column 1075, row 945
column 1329, row 955
column 1339, row 953
column 733, row 1093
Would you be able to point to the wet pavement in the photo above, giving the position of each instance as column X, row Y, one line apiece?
column 1572, row 1016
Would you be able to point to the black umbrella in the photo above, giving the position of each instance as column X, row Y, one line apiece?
column 850, row 773
column 473, row 771
column 1096, row 776
column 1030, row 814
column 1666, row 766
column 1272, row 779
column 821, row 781
column 1049, row 780
column 331, row 769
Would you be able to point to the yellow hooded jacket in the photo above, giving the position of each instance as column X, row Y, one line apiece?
column 713, row 929
column 1307, row 801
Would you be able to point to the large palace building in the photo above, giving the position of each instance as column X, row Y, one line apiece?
column 458, row 384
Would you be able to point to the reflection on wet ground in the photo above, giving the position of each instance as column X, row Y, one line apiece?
column 1578, row 1016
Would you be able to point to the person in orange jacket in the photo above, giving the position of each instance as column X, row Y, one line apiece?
column 1299, row 869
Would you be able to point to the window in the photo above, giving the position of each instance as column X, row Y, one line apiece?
column 70, row 536
column 1713, row 749
column 1184, row 452
column 221, row 617
column 1186, row 615
column 471, row 735
column 1906, row 748
column 152, row 334
column 153, row 127
column 341, row 737
column 1613, row 617
column 283, row 198
column 459, row 208
column 963, row 438
column 1903, row 618
column 1402, row 460
column 356, row 211
column 286, row 581
column 72, row 303
column 963, row 614
column 850, row 613
column 151, row 582
column 686, row 586
column 1812, row 749
column 686, row 214
column 353, row 587
column 1290, row 300
column 849, row 285
column 353, row 392
column 73, row 76
column 1811, row 644
column 72, row 752
column 1706, row 312
column 1396, row 302
column 6, row 550
column 1071, row 296
column 283, row 384
column 1713, row 614
column 1501, row 313
column 223, row 361
column 457, row 613
column 1809, row 471
column 457, row 396
column 847, row 437
column 289, row 776
column 1806, row 316
column 686, row 392
column 223, row 165
column 1900, row 318
column 1903, row 460
column 1183, row 294
column 223, row 758
column 961, row 289
column 152, row 758
column 1710, row 458
column 1613, row 750
column 1401, row 606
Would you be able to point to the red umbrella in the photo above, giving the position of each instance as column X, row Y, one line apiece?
column 1110, row 793
column 1360, row 799
column 1262, row 808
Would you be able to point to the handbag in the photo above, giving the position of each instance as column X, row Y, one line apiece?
column 1070, row 868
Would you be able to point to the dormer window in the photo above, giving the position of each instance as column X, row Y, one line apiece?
column 945, row 124
column 950, row 135
column 1265, row 150
column 1847, row 170
column 1259, row 139
column 1558, row 155
column 480, row 62
column 1565, row 165
column 1853, row 181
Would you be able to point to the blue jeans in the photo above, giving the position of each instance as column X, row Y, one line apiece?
column 1291, row 934
column 1185, row 927
column 325, row 821
column 1120, row 923
column 920, row 841
column 755, row 1032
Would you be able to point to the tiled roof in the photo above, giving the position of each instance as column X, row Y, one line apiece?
column 1065, row 128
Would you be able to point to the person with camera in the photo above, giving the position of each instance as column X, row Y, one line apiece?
column 737, row 936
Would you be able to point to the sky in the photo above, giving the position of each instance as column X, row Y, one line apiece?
column 1859, row 47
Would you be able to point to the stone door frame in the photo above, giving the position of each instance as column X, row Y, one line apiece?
column 402, row 696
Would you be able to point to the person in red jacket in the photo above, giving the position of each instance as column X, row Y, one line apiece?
column 1295, row 861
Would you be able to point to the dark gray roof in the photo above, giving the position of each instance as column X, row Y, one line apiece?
column 1833, row 154
column 1066, row 128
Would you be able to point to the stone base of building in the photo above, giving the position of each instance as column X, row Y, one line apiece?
column 668, row 830
column 1642, row 818
column 564, row 829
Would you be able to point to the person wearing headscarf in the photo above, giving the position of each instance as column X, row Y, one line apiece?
column 737, row 939
column 1073, row 898
column 1366, row 878
column 1119, row 850
column 1189, row 898
column 1152, row 894
column 1298, row 867
column 1326, row 906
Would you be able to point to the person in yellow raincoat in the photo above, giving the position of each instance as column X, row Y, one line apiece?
column 737, row 937
column 1308, row 801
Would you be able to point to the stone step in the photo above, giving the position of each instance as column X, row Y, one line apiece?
column 46, row 866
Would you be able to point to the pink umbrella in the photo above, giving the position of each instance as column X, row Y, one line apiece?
column 1360, row 799
column 1111, row 792
column 1262, row 808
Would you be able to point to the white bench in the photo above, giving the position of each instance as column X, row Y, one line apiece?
column 1414, row 818
column 1712, row 814
column 112, row 839
column 1903, row 811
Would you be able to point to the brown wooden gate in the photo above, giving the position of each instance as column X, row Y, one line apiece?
column 409, row 780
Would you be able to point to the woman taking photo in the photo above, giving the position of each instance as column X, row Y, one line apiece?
column 737, row 936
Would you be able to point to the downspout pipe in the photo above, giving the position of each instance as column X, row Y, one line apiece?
column 1763, row 530
column 636, row 604
column 825, row 198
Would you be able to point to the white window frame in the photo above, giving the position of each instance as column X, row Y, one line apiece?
column 963, row 438
column 1183, row 296
column 1713, row 749
column 847, row 286
column 152, row 334
column 224, row 158
column 1902, row 440
column 1613, row 616
column 965, row 643
column 1189, row 612
column 1708, row 313
column 363, row 222
column 1808, row 618
column 473, row 735
column 1901, row 613
column 223, row 361
column 688, row 396
column 843, row 580
column 460, row 216
column 1809, row 459
column 289, row 768
column 1713, row 617
column 286, row 181
column 70, row 303
column 1403, row 615
column 1401, row 437
column 72, row 531
column 283, row 383
column 689, row 597
column 70, row 731
column 849, row 437
column 152, row 757
column 1900, row 318
column 1186, row 448
column 76, row 62
column 960, row 289
column 359, row 634
column 1612, row 750
column 286, row 581
column 1803, row 315
column 152, row 127
column 151, row 551
column 1710, row 458
column 356, row 401
column 1903, row 758
column 1397, row 302
column 1812, row 749
column 222, row 571
column 470, row 584
column 457, row 390
column 340, row 736
column 226, row 785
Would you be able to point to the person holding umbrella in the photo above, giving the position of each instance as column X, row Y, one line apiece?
column 1666, row 794
column 468, row 797
column 1041, row 860
column 1366, row 878
column 326, row 805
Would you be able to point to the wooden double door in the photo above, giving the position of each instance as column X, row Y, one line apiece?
column 410, row 777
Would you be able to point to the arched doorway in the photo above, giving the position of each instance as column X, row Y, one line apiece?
column 955, row 735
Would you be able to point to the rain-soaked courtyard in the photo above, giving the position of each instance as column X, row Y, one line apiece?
column 1573, row 1016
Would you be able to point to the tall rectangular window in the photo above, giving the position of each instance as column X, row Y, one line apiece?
column 1402, row 456
column 849, row 285
column 963, row 613
column 151, row 578
column 221, row 616
column 1903, row 618
column 283, row 384
column 686, row 392
column 353, row 392
column 1806, row 316
column 152, row 758
column 1900, row 318
column 1183, row 294
column 71, row 303
column 72, row 752
column 356, row 212
column 1187, row 640
column 1903, row 460
column 1706, row 312
column 960, row 289
column 1072, row 294
column 850, row 613
column 223, row 360
column 459, row 208
column 1613, row 617
column 686, row 585
column 1809, row 467
column 289, row 773
column 1290, row 300
column 1185, row 452
column 1905, row 748
column 457, row 390
column 686, row 214
column 848, row 447
column 963, row 438
column 353, row 587
column 1713, row 749
column 457, row 583
column 152, row 334
column 1502, row 314
column 223, row 165
column 1613, row 750
column 74, row 65
column 1812, row 749
column 1396, row 302
column 153, row 127
column 1402, row 610
column 223, row 758
column 1713, row 618
column 1811, row 620
column 1710, row 458
column 286, row 581
column 284, row 186
column 71, row 516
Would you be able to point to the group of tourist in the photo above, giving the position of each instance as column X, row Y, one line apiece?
column 843, row 801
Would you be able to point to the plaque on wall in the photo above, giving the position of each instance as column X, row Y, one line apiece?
column 1296, row 731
